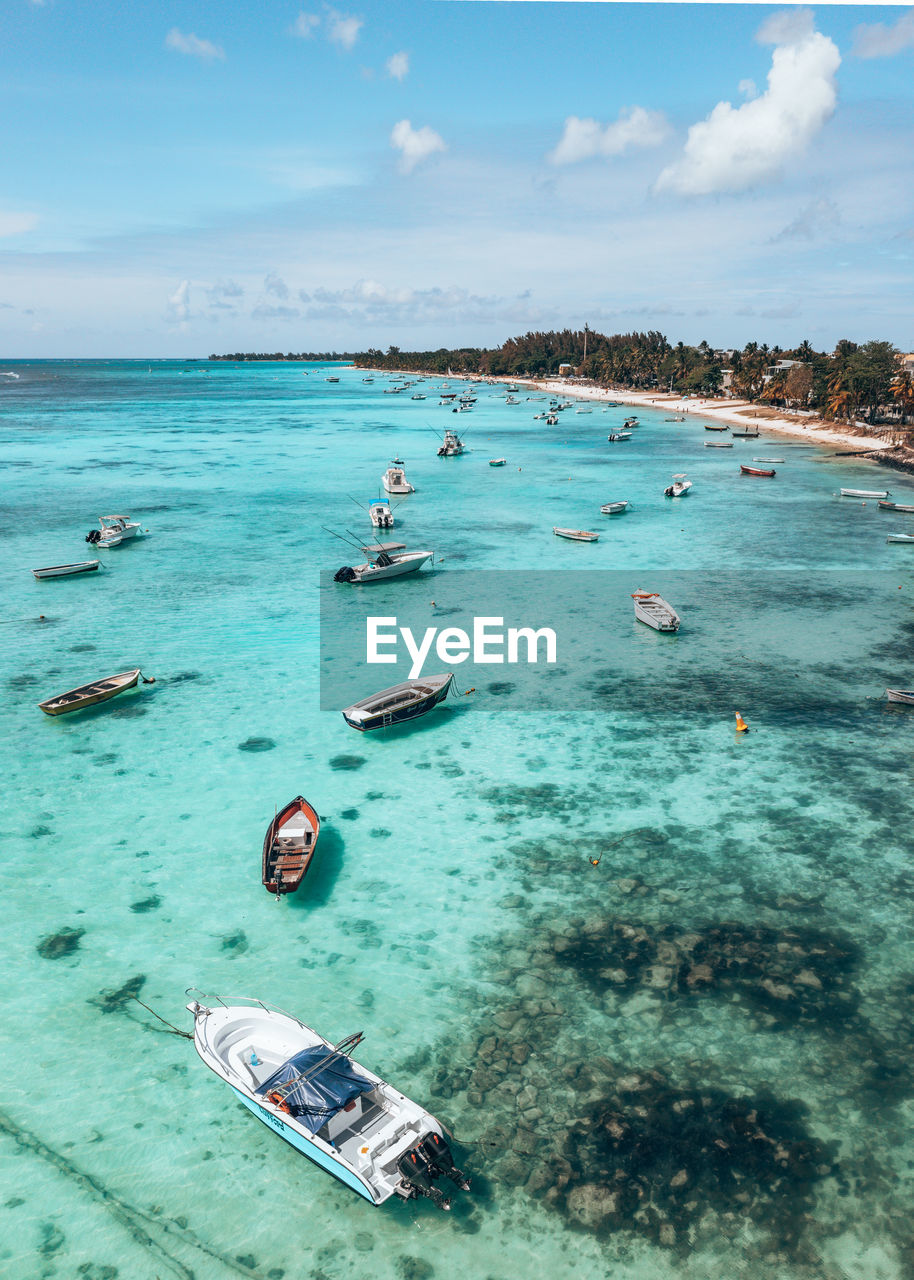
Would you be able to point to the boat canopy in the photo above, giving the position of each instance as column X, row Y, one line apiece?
column 325, row 1090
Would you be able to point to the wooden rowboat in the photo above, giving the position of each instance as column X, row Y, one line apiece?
column 87, row 695
column 897, row 506
column 900, row 537
column 650, row 607
column 708, row 427
column 755, row 471
column 576, row 535
column 288, row 846
column 864, row 493
column 64, row 570
column 900, row 695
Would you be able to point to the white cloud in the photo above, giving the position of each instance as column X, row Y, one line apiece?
column 178, row 308
column 414, row 145
column 736, row 148
column 304, row 25
column 876, row 40
column 748, row 88
column 584, row 139
column 343, row 29
column 276, row 285
column 13, row 224
column 222, row 290
column 193, row 45
column 397, row 65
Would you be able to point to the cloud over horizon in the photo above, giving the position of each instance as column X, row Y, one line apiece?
column 876, row 40
column 193, row 45
column 737, row 148
column 414, row 145
column 584, row 139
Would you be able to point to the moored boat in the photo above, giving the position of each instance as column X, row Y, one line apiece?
column 900, row 695
column 575, row 535
column 745, row 435
column 769, row 460
column 718, row 444
column 346, row 1119
column 709, row 427
column 452, row 446
column 65, row 570
column 394, row 480
column 863, row 493
column 385, row 560
column 900, row 537
column 401, row 702
column 897, row 506
column 651, row 608
column 497, row 462
column 614, row 508
column 87, row 695
column 114, row 530
column 380, row 514
column 680, row 486
column 755, row 471
column 288, row 846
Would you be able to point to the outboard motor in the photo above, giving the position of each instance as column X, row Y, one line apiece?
column 346, row 574
column 439, row 1156
column 418, row 1176
column 93, row 535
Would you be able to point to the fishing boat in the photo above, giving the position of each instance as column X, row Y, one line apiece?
column 452, row 446
column 708, row 427
column 87, row 695
column 385, row 560
column 114, row 530
column 718, row 444
column 897, row 506
column 618, row 435
column 394, row 480
column 755, row 471
column 552, row 420
column 65, row 570
column 400, row 702
column 332, row 379
column 652, row 609
column 497, row 462
column 418, row 396
column 631, row 422
column 380, row 514
column 512, row 400
column 862, row 493
column 745, row 434
column 333, row 1110
column 576, row 535
column 614, row 508
column 900, row 695
column 767, row 459
column 680, row 486
column 288, row 846
column 900, row 537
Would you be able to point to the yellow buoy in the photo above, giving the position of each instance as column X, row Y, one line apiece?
column 741, row 726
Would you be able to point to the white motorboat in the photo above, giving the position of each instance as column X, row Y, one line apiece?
column 718, row 444
column 900, row 695
column 114, row 530
column 401, row 702
column 65, row 570
column 452, row 447
column 552, row 420
column 332, row 1109
column 380, row 514
column 767, row 459
column 583, row 410
column 575, row 535
column 614, row 508
column 331, row 379
column 850, row 493
column 418, row 396
column 654, row 610
column 680, row 486
column 512, row 400
column 619, row 435
column 385, row 560
column 900, row 537
column 394, row 481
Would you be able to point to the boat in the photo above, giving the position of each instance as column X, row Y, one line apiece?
column 900, row 695
column 418, row 396
column 65, row 570
column 552, row 420
column 708, row 427
column 745, row 435
column 674, row 419
column 679, row 486
column 767, row 459
column 332, row 379
column 87, row 695
column 380, row 514
column 385, row 560
column 614, row 508
column 619, row 435
column 718, row 444
column 512, row 400
column 576, row 535
column 654, row 610
column 288, row 846
column 755, row 471
column 449, row 395
column 900, row 537
column 452, row 447
column 368, row 379
column 859, row 493
column 333, row 1110
column 497, row 462
column 114, row 530
column 400, row 702
column 394, row 480
column 583, row 410
column 896, row 506
column 631, row 422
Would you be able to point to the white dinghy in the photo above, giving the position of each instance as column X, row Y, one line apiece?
column 654, row 610
column 900, row 537
column 614, row 508
column 900, row 695
column 65, row 570
column 862, row 493
column 338, row 1113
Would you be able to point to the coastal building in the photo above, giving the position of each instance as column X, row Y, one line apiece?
column 781, row 366
column 565, row 370
column 907, row 362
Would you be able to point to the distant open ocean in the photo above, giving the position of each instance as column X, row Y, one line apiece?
column 691, row 1060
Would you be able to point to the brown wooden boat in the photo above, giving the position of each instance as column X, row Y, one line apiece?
column 756, row 471
column 288, row 846
column 87, row 695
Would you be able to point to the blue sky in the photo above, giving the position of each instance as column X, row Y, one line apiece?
column 186, row 178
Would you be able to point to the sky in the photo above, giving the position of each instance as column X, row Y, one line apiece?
column 187, row 178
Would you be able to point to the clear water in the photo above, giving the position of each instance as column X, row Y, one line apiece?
column 455, row 862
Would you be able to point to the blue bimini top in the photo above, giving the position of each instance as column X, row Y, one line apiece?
column 326, row 1090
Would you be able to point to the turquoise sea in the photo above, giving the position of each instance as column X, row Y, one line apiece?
column 655, row 976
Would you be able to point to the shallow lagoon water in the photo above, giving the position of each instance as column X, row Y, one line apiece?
column 454, row 879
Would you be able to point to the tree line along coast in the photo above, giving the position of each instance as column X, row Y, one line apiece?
column 871, row 381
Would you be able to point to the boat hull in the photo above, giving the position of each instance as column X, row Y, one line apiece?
column 905, row 507
column 66, row 570
column 384, row 719
column 289, row 878
column 900, row 695
column 118, row 684
column 408, row 564
column 756, row 471
column 864, row 493
column 576, row 535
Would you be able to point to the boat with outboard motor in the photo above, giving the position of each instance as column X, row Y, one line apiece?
column 452, row 446
column 380, row 514
column 651, row 608
column 114, row 530
column 288, row 846
column 399, row 703
column 614, row 508
column 680, row 486
column 385, row 560
column 329, row 1107
column 394, row 479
